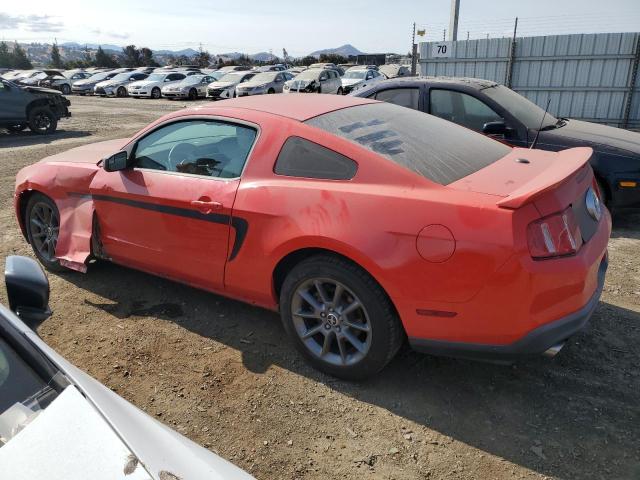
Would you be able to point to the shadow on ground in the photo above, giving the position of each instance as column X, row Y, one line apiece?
column 577, row 413
column 27, row 138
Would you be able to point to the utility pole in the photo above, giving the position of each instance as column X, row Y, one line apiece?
column 453, row 20
column 444, row 34
column 414, row 52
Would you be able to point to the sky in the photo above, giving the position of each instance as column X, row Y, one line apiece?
column 374, row 26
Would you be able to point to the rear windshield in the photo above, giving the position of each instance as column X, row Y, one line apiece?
column 437, row 149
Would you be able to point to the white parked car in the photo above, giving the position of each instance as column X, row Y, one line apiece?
column 151, row 86
column 265, row 82
column 315, row 80
column 56, row 422
column 192, row 87
column 117, row 86
column 226, row 86
column 359, row 77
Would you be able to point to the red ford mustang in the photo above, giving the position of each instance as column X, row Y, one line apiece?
column 361, row 222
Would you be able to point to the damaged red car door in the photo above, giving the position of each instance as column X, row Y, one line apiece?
column 170, row 211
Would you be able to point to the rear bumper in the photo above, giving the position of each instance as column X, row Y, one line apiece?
column 535, row 342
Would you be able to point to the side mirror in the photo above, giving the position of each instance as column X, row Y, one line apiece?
column 27, row 290
column 116, row 162
column 495, row 128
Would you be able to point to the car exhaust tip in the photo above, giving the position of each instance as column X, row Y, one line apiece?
column 553, row 351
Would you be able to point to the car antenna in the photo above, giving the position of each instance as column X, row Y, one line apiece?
column 535, row 140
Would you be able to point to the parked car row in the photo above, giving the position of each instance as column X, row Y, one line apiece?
column 226, row 82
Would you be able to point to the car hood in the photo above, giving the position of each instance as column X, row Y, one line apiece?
column 87, row 81
column 91, row 153
column 48, row 91
column 148, row 83
column 223, row 84
column 348, row 82
column 600, row 137
column 155, row 448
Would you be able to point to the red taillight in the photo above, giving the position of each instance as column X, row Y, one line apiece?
column 554, row 236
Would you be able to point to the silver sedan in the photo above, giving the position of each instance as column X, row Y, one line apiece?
column 265, row 82
column 192, row 87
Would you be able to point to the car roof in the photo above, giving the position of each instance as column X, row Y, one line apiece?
column 477, row 83
column 300, row 107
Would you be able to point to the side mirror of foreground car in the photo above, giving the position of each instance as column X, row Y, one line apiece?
column 495, row 128
column 27, row 290
column 116, row 162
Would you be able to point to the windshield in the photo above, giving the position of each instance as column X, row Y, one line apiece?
column 427, row 145
column 360, row 74
column 524, row 110
column 193, row 79
column 308, row 74
column 264, row 77
column 121, row 77
column 100, row 76
column 22, row 391
column 232, row 77
column 156, row 77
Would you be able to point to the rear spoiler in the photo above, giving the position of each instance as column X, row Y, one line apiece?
column 568, row 163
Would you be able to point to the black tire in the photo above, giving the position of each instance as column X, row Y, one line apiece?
column 37, row 201
column 156, row 93
column 271, row 91
column 193, row 94
column 17, row 128
column 121, row 92
column 340, row 91
column 381, row 341
column 42, row 120
column 66, row 89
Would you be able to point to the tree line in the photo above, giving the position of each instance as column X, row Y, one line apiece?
column 132, row 56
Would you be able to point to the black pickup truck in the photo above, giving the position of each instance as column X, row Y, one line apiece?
column 34, row 107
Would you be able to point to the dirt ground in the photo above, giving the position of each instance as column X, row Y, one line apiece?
column 223, row 373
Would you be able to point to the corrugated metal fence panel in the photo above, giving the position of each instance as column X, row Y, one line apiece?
column 586, row 76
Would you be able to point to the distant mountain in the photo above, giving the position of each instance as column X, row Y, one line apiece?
column 345, row 50
column 189, row 52
column 231, row 55
column 91, row 46
column 263, row 57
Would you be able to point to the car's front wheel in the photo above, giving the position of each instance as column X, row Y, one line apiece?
column 339, row 318
column 155, row 93
column 42, row 120
column 42, row 222
column 66, row 89
column 193, row 94
column 121, row 92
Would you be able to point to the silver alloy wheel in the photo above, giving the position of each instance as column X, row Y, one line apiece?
column 44, row 226
column 331, row 321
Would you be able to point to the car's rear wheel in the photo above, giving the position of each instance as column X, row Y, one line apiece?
column 339, row 318
column 42, row 120
column 17, row 128
column 42, row 221
column 271, row 91
column 155, row 93
column 340, row 91
column 193, row 94
column 66, row 89
column 121, row 92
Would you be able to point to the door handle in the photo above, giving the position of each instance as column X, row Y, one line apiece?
column 205, row 205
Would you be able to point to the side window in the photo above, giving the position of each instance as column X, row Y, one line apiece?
column 323, row 76
column 200, row 147
column 302, row 158
column 405, row 97
column 461, row 108
column 369, row 76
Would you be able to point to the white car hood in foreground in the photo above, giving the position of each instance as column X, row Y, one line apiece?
column 159, row 449
column 69, row 440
